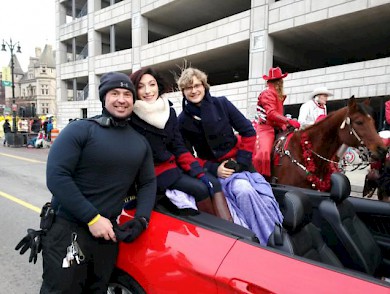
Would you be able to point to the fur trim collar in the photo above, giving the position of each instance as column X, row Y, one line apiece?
column 155, row 114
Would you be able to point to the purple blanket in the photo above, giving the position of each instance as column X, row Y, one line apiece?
column 252, row 198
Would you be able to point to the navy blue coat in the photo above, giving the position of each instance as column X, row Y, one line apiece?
column 213, row 138
column 169, row 151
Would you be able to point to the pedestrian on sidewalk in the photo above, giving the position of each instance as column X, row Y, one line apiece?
column 6, row 129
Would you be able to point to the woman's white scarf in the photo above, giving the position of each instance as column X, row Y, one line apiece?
column 155, row 114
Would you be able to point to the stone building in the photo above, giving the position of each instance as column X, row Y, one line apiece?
column 341, row 44
column 35, row 90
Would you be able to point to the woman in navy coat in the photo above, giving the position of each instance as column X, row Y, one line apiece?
column 209, row 125
column 175, row 166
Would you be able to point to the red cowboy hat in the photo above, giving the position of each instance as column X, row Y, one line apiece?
column 274, row 74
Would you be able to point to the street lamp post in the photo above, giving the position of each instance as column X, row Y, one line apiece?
column 11, row 46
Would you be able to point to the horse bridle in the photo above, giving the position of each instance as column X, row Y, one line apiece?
column 365, row 153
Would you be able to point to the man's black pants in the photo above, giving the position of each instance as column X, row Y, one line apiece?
column 91, row 275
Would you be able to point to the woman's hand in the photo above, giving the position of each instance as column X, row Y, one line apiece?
column 224, row 172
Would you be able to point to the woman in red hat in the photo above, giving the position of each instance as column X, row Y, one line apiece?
column 270, row 119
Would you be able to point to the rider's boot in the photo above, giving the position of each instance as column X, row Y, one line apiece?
column 206, row 205
column 221, row 207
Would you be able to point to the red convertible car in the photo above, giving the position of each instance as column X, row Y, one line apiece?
column 187, row 252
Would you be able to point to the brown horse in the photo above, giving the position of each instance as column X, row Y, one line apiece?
column 309, row 158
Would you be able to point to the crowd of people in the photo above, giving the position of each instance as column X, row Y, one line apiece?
column 38, row 131
column 209, row 158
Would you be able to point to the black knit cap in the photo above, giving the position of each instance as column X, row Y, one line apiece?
column 114, row 80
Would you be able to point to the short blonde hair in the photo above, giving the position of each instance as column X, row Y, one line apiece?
column 185, row 79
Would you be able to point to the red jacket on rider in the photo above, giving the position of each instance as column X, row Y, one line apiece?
column 272, row 119
column 273, row 106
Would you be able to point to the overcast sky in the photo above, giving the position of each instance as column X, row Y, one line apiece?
column 31, row 22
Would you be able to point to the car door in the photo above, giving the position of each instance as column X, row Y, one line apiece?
column 375, row 215
column 174, row 256
column 250, row 268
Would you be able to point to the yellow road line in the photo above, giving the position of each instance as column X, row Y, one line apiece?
column 21, row 202
column 23, row 158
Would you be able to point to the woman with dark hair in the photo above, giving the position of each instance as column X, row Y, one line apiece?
column 175, row 166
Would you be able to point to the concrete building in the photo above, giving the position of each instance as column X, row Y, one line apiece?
column 341, row 44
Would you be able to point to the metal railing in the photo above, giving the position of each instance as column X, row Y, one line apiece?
column 82, row 94
column 83, row 54
column 83, row 11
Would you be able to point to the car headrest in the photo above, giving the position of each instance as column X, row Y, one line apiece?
column 341, row 187
column 296, row 209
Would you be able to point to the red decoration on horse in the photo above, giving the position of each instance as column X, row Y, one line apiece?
column 309, row 165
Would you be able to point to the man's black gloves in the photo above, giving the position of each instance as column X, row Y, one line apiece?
column 238, row 167
column 243, row 167
column 31, row 241
column 205, row 180
column 130, row 230
column 231, row 164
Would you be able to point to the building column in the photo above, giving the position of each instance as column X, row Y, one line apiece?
column 139, row 33
column 61, row 57
column 94, row 49
column 261, row 52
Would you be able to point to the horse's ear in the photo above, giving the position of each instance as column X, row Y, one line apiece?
column 352, row 103
column 367, row 101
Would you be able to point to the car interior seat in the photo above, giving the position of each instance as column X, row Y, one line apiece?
column 299, row 236
column 344, row 232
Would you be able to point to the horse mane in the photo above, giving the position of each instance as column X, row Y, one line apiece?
column 330, row 117
column 323, row 135
column 365, row 108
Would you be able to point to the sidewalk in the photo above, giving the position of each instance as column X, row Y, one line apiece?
column 357, row 178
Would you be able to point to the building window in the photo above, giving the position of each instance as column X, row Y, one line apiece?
column 44, row 89
column 84, row 112
column 45, row 110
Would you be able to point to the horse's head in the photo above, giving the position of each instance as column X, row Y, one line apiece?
column 358, row 128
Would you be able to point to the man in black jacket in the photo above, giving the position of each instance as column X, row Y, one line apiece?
column 6, row 129
column 90, row 168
